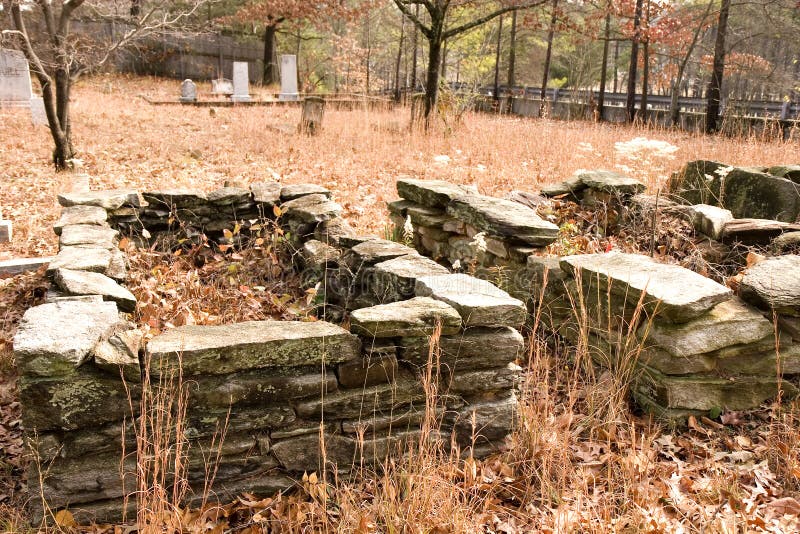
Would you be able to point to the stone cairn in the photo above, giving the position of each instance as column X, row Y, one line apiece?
column 693, row 348
column 282, row 390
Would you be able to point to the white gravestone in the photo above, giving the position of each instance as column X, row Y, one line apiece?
column 38, row 113
column 241, row 82
column 15, row 79
column 188, row 91
column 222, row 86
column 288, row 78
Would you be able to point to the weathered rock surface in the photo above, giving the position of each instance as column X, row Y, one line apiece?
column 503, row 218
column 431, row 193
column 295, row 191
column 53, row 339
column 120, row 353
column 229, row 196
column 395, row 279
column 252, row 345
column 175, row 198
column 787, row 243
column 761, row 196
column 790, row 172
column 81, row 259
column 311, row 208
column 611, row 182
column 317, row 254
column 368, row 370
column 492, row 421
column 571, row 185
column 698, row 183
column 479, row 302
column 333, row 231
column 775, row 284
column 690, row 347
column 409, row 318
column 80, row 214
column 754, row 231
column 267, row 193
column 380, row 400
column 258, row 388
column 468, row 350
column 374, row 251
column 89, row 283
column 704, row 393
column 304, row 453
column 87, row 234
column 678, row 294
column 709, row 220
column 108, row 200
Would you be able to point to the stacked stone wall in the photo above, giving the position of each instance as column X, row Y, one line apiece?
column 264, row 399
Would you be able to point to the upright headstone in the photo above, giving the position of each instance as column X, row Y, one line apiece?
column 188, row 91
column 241, row 82
column 5, row 230
column 289, row 78
column 313, row 111
column 222, row 86
column 15, row 79
column 38, row 113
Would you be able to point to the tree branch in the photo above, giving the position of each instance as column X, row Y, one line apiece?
column 490, row 16
column 402, row 5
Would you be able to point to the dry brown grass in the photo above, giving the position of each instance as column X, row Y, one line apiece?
column 579, row 461
column 126, row 142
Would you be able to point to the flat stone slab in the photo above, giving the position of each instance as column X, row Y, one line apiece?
column 55, row 338
column 311, row 208
column 503, row 218
column 80, row 214
column 775, row 284
column 571, row 185
column 178, row 197
column 677, row 294
column 708, row 220
column 87, row 234
column 252, row 345
column 89, row 283
column 396, row 278
column 467, row 350
column 757, row 195
column 610, row 182
column 479, row 302
column 317, row 254
column 268, row 193
column 111, row 199
column 431, row 193
column 754, row 231
column 23, row 265
column 93, row 259
column 229, row 196
column 728, row 324
column 790, row 172
column 293, row 191
column 376, row 250
column 408, row 318
column 698, row 182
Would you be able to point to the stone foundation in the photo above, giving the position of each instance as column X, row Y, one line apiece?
column 263, row 399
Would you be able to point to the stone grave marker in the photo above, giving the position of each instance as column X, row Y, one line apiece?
column 5, row 230
column 38, row 114
column 15, row 79
column 241, row 82
column 222, row 86
column 288, row 78
column 313, row 111
column 188, row 91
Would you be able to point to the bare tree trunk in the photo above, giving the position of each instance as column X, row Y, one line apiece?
column 512, row 51
column 630, row 104
column 416, row 53
column 136, row 8
column 601, row 100
column 616, row 65
column 432, row 79
column 718, row 70
column 645, row 80
column 270, row 55
column 399, row 58
column 497, row 60
column 674, row 109
column 547, row 56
